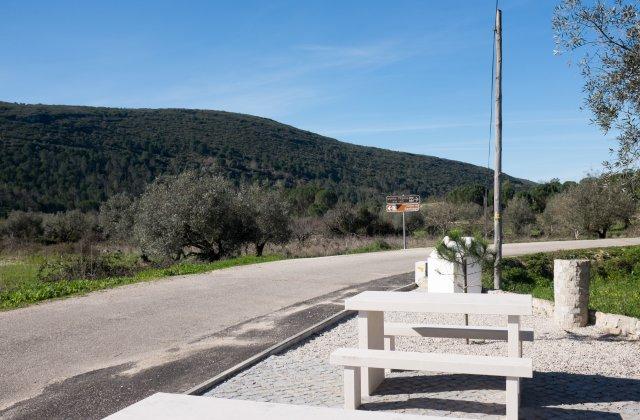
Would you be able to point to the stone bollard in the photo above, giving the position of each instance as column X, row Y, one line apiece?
column 571, row 292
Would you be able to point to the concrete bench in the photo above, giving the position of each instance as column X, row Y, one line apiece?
column 162, row 406
column 353, row 360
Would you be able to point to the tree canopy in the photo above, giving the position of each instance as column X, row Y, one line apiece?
column 55, row 158
column 607, row 35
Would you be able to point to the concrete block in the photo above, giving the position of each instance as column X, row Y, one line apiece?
column 421, row 273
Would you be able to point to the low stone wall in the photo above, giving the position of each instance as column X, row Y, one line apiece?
column 615, row 324
column 611, row 323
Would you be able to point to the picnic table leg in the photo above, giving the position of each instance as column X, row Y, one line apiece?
column 371, row 336
column 389, row 345
column 512, row 397
column 514, row 346
column 351, row 387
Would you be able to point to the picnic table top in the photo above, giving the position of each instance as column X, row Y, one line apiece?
column 162, row 406
column 467, row 303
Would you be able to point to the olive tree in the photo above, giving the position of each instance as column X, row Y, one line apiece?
column 116, row 217
column 518, row 215
column 267, row 216
column 558, row 218
column 594, row 205
column 195, row 213
column 607, row 33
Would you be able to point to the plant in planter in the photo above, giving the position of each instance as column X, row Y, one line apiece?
column 460, row 250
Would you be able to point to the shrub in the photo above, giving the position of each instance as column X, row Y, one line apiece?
column 344, row 219
column 68, row 226
column 23, row 225
column 518, row 215
column 87, row 266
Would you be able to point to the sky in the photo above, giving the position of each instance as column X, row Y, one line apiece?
column 413, row 76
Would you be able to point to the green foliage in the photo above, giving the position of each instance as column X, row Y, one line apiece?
column 531, row 274
column 195, row 213
column 23, row 225
column 441, row 216
column 518, row 216
column 455, row 247
column 88, row 266
column 54, row 158
column 27, row 290
column 467, row 194
column 593, row 206
column 266, row 217
column 69, row 226
column 615, row 277
column 363, row 220
column 607, row 35
column 539, row 194
column 116, row 217
column 378, row 245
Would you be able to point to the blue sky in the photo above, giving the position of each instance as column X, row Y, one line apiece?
column 404, row 75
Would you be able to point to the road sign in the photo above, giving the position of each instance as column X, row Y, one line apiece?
column 401, row 208
column 403, row 199
column 402, row 204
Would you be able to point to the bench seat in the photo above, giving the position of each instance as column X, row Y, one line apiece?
column 354, row 360
column 452, row 331
column 434, row 362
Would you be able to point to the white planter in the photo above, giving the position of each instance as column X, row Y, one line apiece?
column 448, row 277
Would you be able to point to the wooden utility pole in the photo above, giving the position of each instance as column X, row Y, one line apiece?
column 497, row 212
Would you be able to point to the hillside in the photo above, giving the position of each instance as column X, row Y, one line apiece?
column 57, row 157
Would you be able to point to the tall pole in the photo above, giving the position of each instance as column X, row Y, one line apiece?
column 497, row 217
column 404, row 233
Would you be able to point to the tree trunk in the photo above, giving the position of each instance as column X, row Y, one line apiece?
column 260, row 249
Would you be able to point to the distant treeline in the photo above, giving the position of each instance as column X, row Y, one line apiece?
column 55, row 158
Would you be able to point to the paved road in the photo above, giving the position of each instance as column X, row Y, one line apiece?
column 147, row 325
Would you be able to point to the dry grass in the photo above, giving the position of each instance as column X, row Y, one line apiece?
column 321, row 245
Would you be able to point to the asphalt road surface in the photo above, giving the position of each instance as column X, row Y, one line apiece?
column 89, row 356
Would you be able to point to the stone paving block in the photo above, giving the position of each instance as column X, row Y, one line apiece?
column 579, row 374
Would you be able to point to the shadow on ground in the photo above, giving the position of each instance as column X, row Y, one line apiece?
column 546, row 395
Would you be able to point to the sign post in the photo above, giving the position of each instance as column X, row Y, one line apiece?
column 403, row 204
column 404, row 233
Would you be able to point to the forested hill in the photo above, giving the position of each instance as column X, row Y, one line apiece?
column 59, row 157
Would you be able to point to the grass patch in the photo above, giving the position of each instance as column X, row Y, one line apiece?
column 19, row 284
column 615, row 277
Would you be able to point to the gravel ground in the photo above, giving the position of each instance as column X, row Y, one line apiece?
column 583, row 373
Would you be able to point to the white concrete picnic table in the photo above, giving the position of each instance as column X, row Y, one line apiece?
column 373, row 359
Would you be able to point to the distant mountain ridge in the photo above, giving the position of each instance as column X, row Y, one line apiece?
column 56, row 157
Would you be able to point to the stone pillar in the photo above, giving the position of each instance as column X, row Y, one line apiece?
column 571, row 292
